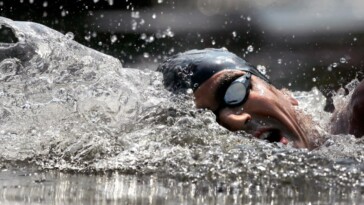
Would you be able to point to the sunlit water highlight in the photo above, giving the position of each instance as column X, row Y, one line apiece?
column 65, row 107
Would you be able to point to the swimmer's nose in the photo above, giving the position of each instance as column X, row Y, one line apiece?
column 232, row 119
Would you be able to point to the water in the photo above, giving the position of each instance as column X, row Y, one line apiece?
column 95, row 132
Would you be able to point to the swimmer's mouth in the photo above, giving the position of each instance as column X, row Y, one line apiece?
column 271, row 135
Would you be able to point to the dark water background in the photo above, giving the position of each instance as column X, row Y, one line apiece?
column 303, row 44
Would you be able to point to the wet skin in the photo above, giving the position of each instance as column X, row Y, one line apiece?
column 350, row 119
column 267, row 114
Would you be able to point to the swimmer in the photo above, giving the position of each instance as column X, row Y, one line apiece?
column 243, row 98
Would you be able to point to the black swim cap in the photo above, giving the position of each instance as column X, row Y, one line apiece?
column 192, row 68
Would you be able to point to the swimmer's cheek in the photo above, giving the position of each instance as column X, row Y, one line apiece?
column 232, row 119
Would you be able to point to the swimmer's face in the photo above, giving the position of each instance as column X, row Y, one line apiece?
column 267, row 114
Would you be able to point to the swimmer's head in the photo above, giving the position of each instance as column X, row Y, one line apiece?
column 190, row 69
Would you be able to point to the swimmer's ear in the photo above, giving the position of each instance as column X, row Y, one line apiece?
column 293, row 100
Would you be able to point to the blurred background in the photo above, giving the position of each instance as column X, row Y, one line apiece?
column 302, row 44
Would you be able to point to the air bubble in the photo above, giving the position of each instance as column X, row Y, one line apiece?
column 234, row 34
column 279, row 61
column 334, row 65
column 160, row 1
column 146, row 55
column 313, row 79
column 248, row 18
column 213, row 42
column 154, row 16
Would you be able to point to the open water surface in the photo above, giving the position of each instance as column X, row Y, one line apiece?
column 76, row 127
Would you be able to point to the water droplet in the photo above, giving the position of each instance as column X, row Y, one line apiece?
column 69, row 36
column 99, row 43
column 250, row 48
column 334, row 65
column 111, row 2
column 134, row 25
column 329, row 68
column 64, row 13
column 143, row 36
column 355, row 39
column 21, row 37
column 160, row 1
column 142, row 22
column 289, row 84
column 168, row 32
column 313, row 79
column 154, row 16
column 87, row 37
column 150, row 39
column 234, row 34
column 262, row 69
column 135, row 14
column 279, row 61
column 343, row 60
column 171, row 51
column 113, row 39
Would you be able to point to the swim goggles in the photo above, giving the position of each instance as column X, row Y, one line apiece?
column 238, row 91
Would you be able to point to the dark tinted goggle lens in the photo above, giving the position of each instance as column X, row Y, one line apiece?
column 238, row 91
